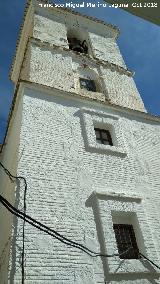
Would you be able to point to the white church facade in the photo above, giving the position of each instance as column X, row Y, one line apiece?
column 80, row 135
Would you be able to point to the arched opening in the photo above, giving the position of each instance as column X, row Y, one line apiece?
column 89, row 80
column 77, row 41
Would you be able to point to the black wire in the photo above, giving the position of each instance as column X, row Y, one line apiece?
column 56, row 235
column 149, row 260
column 27, row 217
column 37, row 226
column 53, row 233
column 44, row 228
column 82, row 247
column 59, row 237
column 24, row 208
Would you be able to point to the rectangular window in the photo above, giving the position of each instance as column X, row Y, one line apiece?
column 126, row 241
column 87, row 84
column 103, row 136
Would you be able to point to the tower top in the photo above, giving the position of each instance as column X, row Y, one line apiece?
column 43, row 7
column 45, row 4
column 58, row 45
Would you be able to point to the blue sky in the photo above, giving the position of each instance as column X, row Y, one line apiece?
column 139, row 43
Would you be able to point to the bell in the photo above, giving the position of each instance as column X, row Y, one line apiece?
column 78, row 48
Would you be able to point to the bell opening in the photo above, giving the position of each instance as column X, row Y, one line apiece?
column 77, row 45
column 78, row 48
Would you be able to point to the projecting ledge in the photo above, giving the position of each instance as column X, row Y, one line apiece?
column 117, row 195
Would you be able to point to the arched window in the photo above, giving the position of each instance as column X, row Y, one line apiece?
column 87, row 84
column 89, row 80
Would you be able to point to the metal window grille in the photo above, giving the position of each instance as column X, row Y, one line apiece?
column 126, row 239
column 87, row 84
column 103, row 136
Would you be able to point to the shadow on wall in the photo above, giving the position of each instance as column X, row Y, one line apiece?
column 118, row 277
column 16, row 249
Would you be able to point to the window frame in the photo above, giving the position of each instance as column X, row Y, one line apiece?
column 113, row 206
column 102, row 131
column 99, row 119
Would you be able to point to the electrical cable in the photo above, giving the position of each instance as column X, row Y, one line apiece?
column 60, row 237
column 141, row 254
column 53, row 233
column 24, row 208
column 35, row 224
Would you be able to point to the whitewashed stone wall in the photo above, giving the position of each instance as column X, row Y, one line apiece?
column 51, row 26
column 106, row 49
column 121, row 89
column 62, row 174
column 50, row 30
column 54, row 31
column 60, row 68
column 75, row 185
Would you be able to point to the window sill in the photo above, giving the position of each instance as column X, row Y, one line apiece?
column 92, row 95
column 106, row 149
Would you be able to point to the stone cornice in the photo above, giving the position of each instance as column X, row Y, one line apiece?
column 118, row 195
column 111, row 66
column 113, row 27
column 136, row 114
column 125, row 111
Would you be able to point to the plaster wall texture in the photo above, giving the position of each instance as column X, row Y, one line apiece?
column 106, row 49
column 75, row 185
column 62, row 174
column 61, row 69
column 48, row 62
column 50, row 30
column 121, row 90
column 54, row 28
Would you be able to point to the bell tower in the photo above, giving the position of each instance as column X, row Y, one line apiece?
column 89, row 153
column 84, row 44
